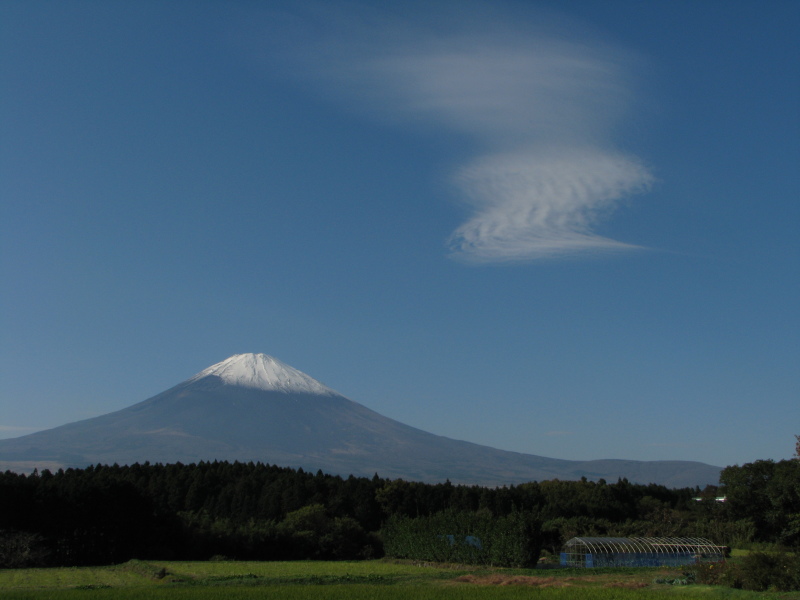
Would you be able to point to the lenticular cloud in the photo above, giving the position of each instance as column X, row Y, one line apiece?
column 530, row 206
column 543, row 109
column 537, row 104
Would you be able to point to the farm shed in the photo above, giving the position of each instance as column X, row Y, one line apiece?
column 638, row 552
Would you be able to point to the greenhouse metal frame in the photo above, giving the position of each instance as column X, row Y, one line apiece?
column 639, row 552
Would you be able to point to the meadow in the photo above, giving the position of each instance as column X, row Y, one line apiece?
column 317, row 580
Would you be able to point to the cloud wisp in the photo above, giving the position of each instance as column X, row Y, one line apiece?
column 537, row 105
column 539, row 205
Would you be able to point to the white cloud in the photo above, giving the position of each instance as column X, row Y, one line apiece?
column 504, row 89
column 529, row 206
column 538, row 104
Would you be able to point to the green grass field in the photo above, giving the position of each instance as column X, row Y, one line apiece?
column 157, row 580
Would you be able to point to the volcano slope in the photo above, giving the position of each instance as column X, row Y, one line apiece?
column 252, row 407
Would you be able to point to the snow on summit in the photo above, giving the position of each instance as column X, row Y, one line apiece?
column 264, row 372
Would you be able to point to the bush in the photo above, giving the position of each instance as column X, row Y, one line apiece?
column 711, row 573
column 19, row 549
column 758, row 572
column 777, row 571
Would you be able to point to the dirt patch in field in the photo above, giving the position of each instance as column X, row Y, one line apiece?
column 548, row 582
column 497, row 579
column 631, row 585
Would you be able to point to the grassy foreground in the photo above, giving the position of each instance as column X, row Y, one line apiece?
column 156, row 580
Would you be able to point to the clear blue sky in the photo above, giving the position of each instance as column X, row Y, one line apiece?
column 562, row 228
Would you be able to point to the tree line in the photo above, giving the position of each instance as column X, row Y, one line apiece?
column 110, row 514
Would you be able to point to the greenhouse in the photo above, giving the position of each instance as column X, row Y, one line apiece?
column 638, row 552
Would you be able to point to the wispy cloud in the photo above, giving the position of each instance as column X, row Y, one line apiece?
column 536, row 205
column 538, row 105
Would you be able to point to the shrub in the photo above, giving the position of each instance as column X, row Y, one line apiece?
column 758, row 572
column 778, row 571
column 720, row 573
column 20, row 549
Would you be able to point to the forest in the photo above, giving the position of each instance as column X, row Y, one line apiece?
column 110, row 514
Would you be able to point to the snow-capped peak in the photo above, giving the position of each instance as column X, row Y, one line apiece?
column 265, row 373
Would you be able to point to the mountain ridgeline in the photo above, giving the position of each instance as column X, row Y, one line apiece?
column 252, row 407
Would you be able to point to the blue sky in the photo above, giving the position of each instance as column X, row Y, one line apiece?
column 560, row 228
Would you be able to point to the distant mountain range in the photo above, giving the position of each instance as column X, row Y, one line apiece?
column 252, row 407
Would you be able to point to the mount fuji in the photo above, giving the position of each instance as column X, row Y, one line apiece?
column 252, row 407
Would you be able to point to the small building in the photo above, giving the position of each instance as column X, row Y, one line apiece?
column 638, row 552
